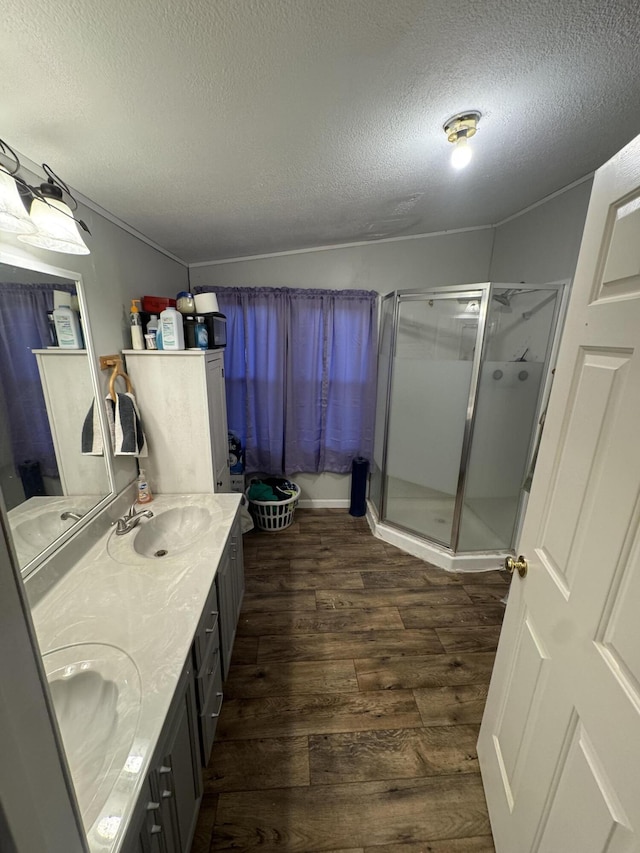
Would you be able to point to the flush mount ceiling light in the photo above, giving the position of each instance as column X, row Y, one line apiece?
column 41, row 216
column 459, row 129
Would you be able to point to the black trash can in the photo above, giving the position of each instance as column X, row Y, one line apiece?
column 359, row 474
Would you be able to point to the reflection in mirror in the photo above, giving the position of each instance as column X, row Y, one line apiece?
column 49, row 479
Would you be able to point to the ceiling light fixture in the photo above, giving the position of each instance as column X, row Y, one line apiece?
column 459, row 129
column 40, row 216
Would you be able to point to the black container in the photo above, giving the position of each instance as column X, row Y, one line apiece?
column 359, row 473
column 190, row 324
column 31, row 477
column 217, row 328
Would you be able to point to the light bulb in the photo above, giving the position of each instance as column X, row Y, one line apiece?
column 13, row 215
column 57, row 230
column 461, row 154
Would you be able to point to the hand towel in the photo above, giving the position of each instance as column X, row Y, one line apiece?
column 92, row 443
column 92, row 433
column 130, row 439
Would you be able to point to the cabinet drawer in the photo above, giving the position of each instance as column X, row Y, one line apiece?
column 207, row 633
column 210, row 714
column 208, row 673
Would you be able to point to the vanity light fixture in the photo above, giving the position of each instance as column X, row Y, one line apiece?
column 459, row 129
column 13, row 215
column 39, row 215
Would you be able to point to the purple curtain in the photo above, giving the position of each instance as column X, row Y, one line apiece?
column 23, row 327
column 300, row 368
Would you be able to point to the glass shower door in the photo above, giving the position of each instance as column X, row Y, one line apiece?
column 437, row 350
column 384, row 369
column 521, row 325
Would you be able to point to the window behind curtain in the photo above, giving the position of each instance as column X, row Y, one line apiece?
column 300, row 376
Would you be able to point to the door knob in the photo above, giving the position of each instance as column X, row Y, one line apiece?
column 520, row 565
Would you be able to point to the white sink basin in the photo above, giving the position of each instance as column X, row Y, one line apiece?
column 44, row 528
column 166, row 534
column 96, row 695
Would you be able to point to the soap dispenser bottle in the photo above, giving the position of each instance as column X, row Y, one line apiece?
column 144, row 492
column 137, row 338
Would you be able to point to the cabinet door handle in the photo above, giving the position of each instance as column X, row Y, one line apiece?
column 155, row 829
column 166, row 795
column 211, row 630
column 164, row 769
column 217, row 714
column 151, row 806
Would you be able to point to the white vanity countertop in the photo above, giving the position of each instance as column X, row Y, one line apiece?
column 36, row 523
column 149, row 608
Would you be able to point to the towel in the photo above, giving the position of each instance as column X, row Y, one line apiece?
column 125, row 428
column 129, row 439
column 92, row 433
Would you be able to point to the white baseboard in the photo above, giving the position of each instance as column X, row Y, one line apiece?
column 430, row 552
column 323, row 503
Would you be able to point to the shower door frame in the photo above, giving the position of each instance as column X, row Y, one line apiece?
column 563, row 293
column 563, row 290
column 481, row 291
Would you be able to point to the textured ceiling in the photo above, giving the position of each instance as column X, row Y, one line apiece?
column 222, row 128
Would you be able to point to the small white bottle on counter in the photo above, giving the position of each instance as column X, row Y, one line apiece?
column 171, row 329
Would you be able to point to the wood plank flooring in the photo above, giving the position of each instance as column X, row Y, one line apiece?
column 352, row 707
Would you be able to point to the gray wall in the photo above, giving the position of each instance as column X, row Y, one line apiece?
column 542, row 245
column 456, row 258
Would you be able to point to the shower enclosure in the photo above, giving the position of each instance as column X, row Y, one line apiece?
column 462, row 378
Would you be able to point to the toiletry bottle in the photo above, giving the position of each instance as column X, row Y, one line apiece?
column 137, row 339
column 172, row 330
column 144, row 492
column 67, row 327
column 152, row 332
column 202, row 334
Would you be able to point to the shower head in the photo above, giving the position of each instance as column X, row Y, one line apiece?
column 504, row 298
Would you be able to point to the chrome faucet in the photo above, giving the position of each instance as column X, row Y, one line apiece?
column 66, row 516
column 131, row 519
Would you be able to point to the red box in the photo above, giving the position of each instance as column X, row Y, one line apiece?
column 156, row 304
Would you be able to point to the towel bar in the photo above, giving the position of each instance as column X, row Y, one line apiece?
column 115, row 361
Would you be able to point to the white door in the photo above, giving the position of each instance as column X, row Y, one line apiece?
column 560, row 740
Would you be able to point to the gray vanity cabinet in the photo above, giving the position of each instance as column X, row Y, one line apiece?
column 178, row 772
column 167, row 809
column 206, row 658
column 230, row 585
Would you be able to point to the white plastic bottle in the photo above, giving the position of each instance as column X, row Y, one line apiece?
column 67, row 327
column 171, row 329
column 152, row 332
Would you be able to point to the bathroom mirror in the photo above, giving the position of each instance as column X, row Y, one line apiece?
column 52, row 481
